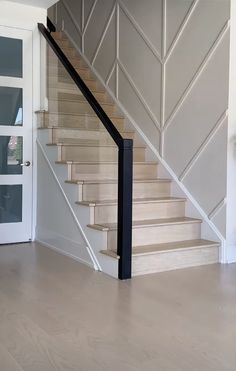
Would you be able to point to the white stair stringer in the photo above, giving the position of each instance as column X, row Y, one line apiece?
column 94, row 239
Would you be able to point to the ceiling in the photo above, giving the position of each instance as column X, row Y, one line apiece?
column 38, row 3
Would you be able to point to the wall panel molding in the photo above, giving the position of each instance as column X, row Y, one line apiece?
column 188, row 15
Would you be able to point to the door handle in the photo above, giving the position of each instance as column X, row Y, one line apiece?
column 26, row 163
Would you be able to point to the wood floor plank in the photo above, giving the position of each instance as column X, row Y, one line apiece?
column 56, row 314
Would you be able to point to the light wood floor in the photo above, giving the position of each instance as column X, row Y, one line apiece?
column 56, row 314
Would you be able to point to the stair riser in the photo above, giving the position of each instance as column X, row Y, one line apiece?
column 91, row 154
column 52, row 80
column 84, row 134
column 109, row 191
column 64, row 43
column 108, row 214
column 59, row 35
column 84, row 122
column 61, row 72
column 158, row 234
column 69, row 52
column 75, row 94
column 76, row 107
column 53, row 61
column 165, row 261
column 87, row 171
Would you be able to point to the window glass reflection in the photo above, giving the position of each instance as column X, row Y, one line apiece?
column 11, row 153
column 11, row 103
column 11, row 203
column 10, row 57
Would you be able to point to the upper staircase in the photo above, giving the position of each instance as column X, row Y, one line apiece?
column 164, row 238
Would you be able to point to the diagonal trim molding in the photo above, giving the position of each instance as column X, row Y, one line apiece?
column 197, row 74
column 139, row 95
column 110, row 73
column 140, row 31
column 103, row 34
column 181, row 30
column 202, row 147
column 72, row 17
column 89, row 16
column 216, row 209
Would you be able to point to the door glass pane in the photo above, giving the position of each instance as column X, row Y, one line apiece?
column 11, row 153
column 11, row 112
column 10, row 57
column 11, row 203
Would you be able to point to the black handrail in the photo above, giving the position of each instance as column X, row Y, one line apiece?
column 125, row 164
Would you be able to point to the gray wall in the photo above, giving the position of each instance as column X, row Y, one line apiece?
column 167, row 61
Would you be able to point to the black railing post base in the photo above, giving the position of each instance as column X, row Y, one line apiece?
column 125, row 190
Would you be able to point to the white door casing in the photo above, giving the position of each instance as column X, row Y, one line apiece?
column 21, row 230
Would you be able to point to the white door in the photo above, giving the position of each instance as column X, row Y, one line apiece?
column 15, row 135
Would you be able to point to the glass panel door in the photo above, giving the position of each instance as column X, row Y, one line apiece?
column 15, row 135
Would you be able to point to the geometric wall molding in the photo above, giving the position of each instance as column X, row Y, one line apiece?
column 167, row 61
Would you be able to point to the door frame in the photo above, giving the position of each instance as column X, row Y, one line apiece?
column 15, row 232
column 25, row 17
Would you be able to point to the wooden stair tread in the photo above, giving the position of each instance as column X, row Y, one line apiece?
column 65, row 85
column 172, row 246
column 81, row 100
column 105, row 162
column 135, row 201
column 82, row 129
column 88, row 143
column 115, row 181
column 72, row 88
column 78, row 114
column 62, row 68
column 165, row 247
column 68, row 79
column 147, row 223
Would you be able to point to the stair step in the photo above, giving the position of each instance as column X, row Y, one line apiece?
column 91, row 151
column 77, row 106
column 62, row 135
column 75, row 98
column 143, row 209
column 60, row 72
column 147, row 200
column 107, row 188
column 154, row 231
column 59, row 35
column 67, row 80
column 139, row 224
column 168, row 256
column 114, row 181
column 76, row 120
column 70, row 142
column 53, row 60
column 100, row 170
column 173, row 246
column 72, row 88
column 67, row 50
column 75, row 94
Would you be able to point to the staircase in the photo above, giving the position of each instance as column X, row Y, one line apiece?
column 164, row 238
